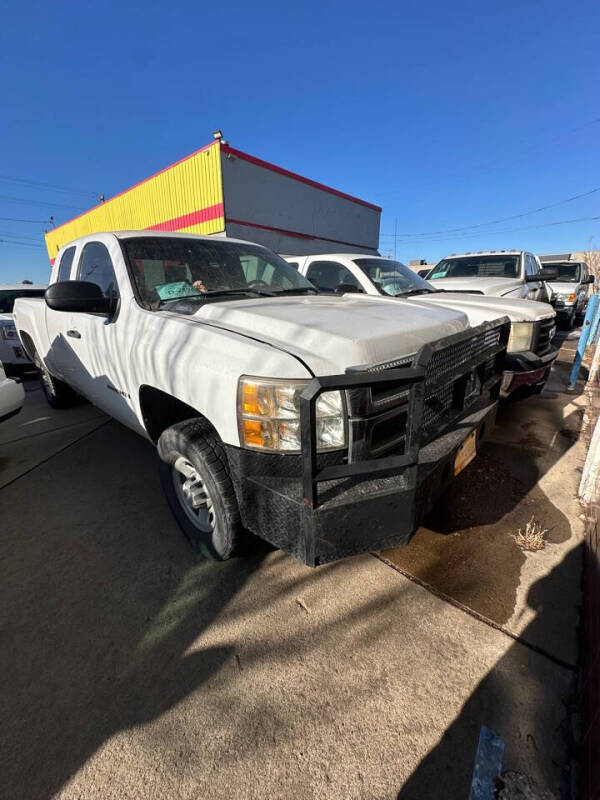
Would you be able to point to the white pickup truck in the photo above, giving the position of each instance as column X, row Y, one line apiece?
column 497, row 273
column 530, row 351
column 325, row 424
column 571, row 288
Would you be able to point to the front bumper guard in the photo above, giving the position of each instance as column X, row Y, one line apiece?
column 319, row 509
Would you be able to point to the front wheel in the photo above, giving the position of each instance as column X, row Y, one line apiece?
column 571, row 321
column 195, row 478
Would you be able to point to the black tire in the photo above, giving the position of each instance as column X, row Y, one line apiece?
column 57, row 393
column 568, row 323
column 215, row 529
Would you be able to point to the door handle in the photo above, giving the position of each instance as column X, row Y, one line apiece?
column 74, row 334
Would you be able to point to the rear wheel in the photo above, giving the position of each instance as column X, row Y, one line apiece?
column 57, row 393
column 195, row 478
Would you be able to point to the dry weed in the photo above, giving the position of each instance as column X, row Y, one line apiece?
column 532, row 538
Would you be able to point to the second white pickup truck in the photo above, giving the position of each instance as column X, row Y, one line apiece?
column 325, row 424
column 530, row 351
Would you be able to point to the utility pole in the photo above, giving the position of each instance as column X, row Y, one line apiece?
column 395, row 235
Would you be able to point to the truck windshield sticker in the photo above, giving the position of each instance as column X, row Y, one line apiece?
column 169, row 291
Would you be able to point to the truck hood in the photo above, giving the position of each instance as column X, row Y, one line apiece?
column 492, row 286
column 330, row 333
column 7, row 317
column 564, row 287
column 485, row 309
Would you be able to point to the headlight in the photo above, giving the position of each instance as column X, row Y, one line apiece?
column 8, row 331
column 521, row 334
column 565, row 298
column 269, row 416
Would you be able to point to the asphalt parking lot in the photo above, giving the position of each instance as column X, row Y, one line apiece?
column 134, row 669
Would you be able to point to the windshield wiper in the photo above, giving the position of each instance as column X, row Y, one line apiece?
column 248, row 290
column 298, row 290
column 412, row 292
column 218, row 293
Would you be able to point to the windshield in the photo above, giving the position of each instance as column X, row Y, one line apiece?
column 8, row 297
column 392, row 277
column 496, row 266
column 166, row 270
column 566, row 273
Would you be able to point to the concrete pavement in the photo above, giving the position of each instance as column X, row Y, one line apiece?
column 133, row 669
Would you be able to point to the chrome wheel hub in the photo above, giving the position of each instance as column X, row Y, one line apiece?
column 193, row 495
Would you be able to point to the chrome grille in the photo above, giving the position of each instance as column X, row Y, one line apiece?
column 544, row 334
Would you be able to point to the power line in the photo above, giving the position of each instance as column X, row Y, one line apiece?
column 438, row 238
column 27, row 182
column 21, row 236
column 21, row 244
column 497, row 221
column 14, row 219
column 38, row 202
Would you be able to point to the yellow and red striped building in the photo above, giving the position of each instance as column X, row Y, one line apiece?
column 221, row 190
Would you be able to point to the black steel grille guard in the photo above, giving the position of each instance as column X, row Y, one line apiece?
column 414, row 378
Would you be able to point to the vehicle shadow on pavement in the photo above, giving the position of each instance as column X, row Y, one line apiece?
column 100, row 598
column 446, row 771
column 465, row 547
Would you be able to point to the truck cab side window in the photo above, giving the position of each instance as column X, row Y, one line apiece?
column 66, row 261
column 96, row 266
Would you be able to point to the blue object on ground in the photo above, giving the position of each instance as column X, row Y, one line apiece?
column 588, row 330
column 488, row 765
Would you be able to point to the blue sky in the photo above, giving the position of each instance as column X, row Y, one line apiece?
column 446, row 114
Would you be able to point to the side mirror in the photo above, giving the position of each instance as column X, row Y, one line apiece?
column 82, row 296
column 348, row 288
column 590, row 279
column 545, row 274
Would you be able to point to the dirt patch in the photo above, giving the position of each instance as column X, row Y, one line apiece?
column 466, row 547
